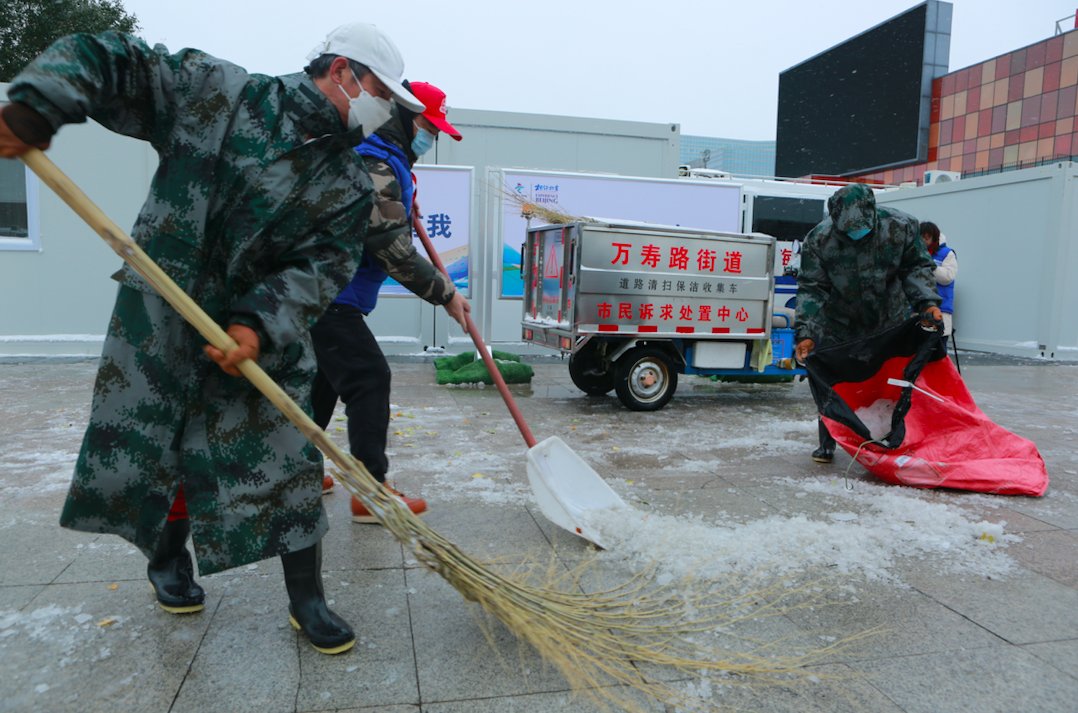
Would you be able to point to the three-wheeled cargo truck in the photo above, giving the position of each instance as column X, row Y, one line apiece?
column 635, row 304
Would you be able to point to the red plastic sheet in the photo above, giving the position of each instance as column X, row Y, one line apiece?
column 938, row 437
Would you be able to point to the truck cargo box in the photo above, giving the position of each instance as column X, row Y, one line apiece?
column 637, row 279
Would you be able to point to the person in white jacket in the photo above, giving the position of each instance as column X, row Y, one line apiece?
column 945, row 273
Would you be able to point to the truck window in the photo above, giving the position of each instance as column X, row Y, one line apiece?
column 786, row 218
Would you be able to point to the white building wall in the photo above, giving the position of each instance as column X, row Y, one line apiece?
column 57, row 299
column 1016, row 236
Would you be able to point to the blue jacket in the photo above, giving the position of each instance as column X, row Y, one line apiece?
column 362, row 291
column 946, row 291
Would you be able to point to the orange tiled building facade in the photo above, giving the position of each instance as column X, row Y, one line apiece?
column 1017, row 109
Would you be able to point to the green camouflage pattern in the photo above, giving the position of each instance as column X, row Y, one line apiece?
column 852, row 288
column 389, row 235
column 254, row 210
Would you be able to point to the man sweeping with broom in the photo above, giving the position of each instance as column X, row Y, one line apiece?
column 254, row 211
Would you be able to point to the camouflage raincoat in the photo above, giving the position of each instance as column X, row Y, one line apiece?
column 254, row 210
column 852, row 288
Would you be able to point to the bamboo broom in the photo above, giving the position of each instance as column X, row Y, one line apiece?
column 596, row 640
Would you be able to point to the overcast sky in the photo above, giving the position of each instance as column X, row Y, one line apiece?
column 710, row 65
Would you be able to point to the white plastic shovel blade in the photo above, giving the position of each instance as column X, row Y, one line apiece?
column 568, row 490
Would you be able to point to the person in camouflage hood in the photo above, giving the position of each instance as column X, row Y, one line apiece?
column 351, row 365
column 256, row 210
column 863, row 269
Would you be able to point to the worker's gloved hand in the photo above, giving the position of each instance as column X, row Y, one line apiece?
column 458, row 308
column 247, row 347
column 12, row 141
column 932, row 318
column 803, row 349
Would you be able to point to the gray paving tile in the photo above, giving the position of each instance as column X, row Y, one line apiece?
column 1053, row 554
column 1023, row 608
column 1058, row 507
column 37, row 550
column 461, row 656
column 17, row 596
column 491, row 533
column 990, row 679
column 558, row 702
column 248, row 659
column 107, row 558
column 381, row 669
column 902, row 622
column 349, row 546
column 1060, row 655
column 84, row 647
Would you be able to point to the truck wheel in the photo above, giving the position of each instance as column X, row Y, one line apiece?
column 645, row 379
column 590, row 372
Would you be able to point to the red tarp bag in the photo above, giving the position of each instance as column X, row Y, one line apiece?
column 938, row 438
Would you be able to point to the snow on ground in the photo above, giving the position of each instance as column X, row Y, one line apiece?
column 41, row 463
column 67, row 631
column 868, row 533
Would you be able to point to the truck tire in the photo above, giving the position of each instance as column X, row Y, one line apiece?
column 590, row 372
column 645, row 379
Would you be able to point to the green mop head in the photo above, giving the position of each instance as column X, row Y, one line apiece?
column 467, row 368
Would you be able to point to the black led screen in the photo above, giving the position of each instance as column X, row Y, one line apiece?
column 786, row 218
column 857, row 106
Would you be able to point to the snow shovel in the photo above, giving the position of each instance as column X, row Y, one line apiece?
column 567, row 489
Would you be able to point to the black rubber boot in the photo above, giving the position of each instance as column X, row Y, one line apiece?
column 826, row 452
column 171, row 573
column 307, row 610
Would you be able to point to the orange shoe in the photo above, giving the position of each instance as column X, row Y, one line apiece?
column 361, row 514
column 327, row 484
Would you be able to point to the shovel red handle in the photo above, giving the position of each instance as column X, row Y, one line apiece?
column 478, row 340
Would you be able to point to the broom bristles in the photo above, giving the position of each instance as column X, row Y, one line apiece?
column 598, row 640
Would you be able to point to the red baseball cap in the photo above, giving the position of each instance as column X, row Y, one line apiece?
column 433, row 100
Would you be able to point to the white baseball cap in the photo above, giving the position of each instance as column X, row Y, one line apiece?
column 366, row 44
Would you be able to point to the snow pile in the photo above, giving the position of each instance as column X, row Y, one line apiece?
column 866, row 536
column 877, row 417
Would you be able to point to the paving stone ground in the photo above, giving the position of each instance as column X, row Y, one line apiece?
column 79, row 630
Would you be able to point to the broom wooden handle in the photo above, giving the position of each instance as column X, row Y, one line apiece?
column 499, row 381
column 144, row 265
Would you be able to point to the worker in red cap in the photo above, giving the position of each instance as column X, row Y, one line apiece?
column 433, row 119
column 351, row 365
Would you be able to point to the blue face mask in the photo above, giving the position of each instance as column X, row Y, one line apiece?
column 858, row 233
column 422, row 142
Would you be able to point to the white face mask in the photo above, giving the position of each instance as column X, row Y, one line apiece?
column 366, row 110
